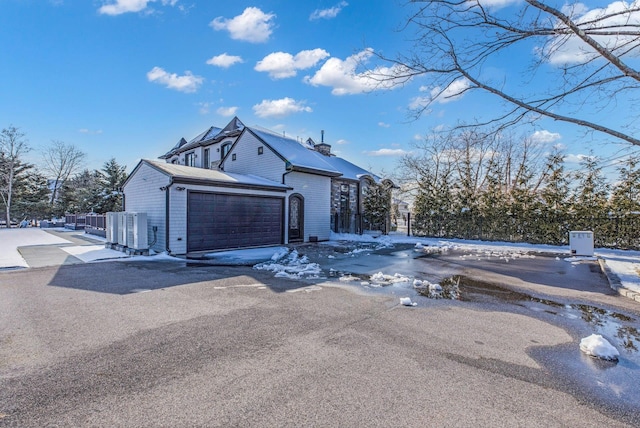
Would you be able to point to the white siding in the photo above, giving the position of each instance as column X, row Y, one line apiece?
column 142, row 194
column 248, row 161
column 316, row 191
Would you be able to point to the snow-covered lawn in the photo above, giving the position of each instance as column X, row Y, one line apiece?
column 11, row 239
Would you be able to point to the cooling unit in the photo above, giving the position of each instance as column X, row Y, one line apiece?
column 112, row 227
column 137, row 237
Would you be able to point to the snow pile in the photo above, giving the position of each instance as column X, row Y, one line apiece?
column 381, row 278
column 449, row 289
column 406, row 301
column 349, row 278
column 597, row 346
column 290, row 265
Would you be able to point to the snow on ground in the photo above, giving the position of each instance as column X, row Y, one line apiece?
column 287, row 264
column 92, row 253
column 248, row 256
column 11, row 239
column 597, row 346
column 625, row 264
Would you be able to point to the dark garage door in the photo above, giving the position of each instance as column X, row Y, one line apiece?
column 220, row 221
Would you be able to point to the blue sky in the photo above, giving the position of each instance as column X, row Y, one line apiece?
column 129, row 78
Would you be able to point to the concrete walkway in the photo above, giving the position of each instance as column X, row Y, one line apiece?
column 32, row 247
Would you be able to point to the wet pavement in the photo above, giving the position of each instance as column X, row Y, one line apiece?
column 573, row 297
column 571, row 294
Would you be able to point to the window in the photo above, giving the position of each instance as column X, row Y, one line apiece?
column 260, row 150
column 190, row 159
column 225, row 149
column 206, row 159
column 233, row 157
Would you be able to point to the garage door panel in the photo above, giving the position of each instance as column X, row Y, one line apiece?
column 223, row 221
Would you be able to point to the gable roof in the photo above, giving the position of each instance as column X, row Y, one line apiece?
column 209, row 136
column 349, row 170
column 296, row 156
column 190, row 175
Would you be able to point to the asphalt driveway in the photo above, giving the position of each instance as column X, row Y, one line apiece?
column 181, row 344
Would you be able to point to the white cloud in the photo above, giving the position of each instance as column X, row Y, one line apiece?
column 451, row 93
column 383, row 125
column 204, row 107
column 280, row 108
column 119, row 7
column 186, row 83
column 545, row 136
column 387, row 152
column 253, row 25
column 329, row 13
column 418, row 103
column 571, row 158
column 572, row 50
column 281, row 65
column 227, row 111
column 89, row 131
column 342, row 142
column 224, row 60
column 343, row 77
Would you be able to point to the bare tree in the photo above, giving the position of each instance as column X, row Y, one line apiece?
column 579, row 56
column 61, row 160
column 13, row 145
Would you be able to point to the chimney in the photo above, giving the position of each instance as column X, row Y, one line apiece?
column 323, row 148
column 322, row 136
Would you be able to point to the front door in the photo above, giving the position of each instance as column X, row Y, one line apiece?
column 296, row 218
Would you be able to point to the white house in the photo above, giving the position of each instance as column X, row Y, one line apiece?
column 240, row 187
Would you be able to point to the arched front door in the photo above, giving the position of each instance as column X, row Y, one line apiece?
column 296, row 218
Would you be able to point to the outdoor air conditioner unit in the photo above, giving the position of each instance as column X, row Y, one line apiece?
column 112, row 227
column 137, row 231
column 581, row 243
column 122, row 228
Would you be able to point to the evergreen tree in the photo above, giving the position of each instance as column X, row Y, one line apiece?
column 112, row 178
column 493, row 202
column 625, row 197
column 555, row 200
column 590, row 199
column 377, row 205
column 32, row 197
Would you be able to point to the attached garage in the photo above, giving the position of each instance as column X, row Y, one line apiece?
column 190, row 210
column 219, row 221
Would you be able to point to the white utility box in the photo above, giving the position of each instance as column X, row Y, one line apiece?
column 122, row 228
column 112, row 227
column 581, row 243
column 137, row 231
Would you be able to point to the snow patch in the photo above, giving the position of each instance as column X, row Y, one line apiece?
column 598, row 347
column 406, row 301
column 290, row 265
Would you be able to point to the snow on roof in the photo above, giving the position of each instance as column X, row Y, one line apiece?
column 213, row 132
column 295, row 153
column 349, row 170
column 182, row 172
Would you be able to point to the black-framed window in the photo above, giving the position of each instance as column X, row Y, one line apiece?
column 224, row 150
column 233, row 157
column 206, row 159
column 260, row 150
column 190, row 159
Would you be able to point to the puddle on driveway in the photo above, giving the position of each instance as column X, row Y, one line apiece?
column 611, row 323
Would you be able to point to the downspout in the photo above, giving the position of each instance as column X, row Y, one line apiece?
column 285, row 230
column 167, row 215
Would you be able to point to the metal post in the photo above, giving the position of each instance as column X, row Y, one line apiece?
column 408, row 224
